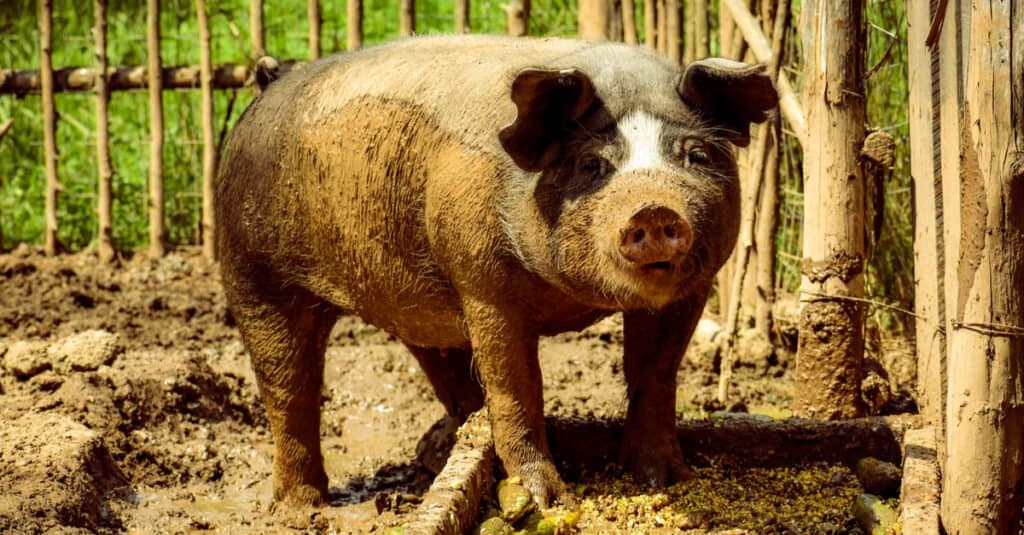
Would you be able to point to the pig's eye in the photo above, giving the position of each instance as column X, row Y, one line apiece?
column 594, row 165
column 696, row 152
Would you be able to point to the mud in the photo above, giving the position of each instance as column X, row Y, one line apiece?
column 129, row 405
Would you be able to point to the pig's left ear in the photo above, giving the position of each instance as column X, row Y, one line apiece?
column 548, row 103
column 729, row 94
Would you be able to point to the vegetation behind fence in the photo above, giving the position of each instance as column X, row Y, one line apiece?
column 21, row 151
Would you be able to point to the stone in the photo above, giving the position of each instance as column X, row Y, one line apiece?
column 25, row 359
column 878, row 477
column 86, row 351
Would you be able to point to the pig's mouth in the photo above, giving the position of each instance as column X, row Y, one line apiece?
column 656, row 267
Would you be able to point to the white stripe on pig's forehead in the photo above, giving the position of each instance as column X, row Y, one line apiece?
column 642, row 134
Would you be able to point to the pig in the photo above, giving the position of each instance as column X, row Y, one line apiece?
column 469, row 194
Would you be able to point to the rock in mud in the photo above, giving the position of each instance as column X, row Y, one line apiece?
column 56, row 474
column 704, row 346
column 754, row 349
column 878, row 477
column 495, row 526
column 86, row 351
column 875, row 516
column 25, row 359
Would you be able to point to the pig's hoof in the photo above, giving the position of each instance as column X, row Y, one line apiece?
column 656, row 467
column 543, row 481
column 300, row 496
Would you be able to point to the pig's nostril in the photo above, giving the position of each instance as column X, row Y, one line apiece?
column 638, row 235
column 670, row 231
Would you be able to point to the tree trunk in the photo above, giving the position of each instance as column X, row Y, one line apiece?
column 105, row 172
column 354, row 10
column 831, row 338
column 257, row 34
column 518, row 18
column 209, row 147
column 156, row 130
column 49, row 123
column 984, row 471
column 593, row 20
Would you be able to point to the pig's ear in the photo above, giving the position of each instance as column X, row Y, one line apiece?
column 729, row 95
column 548, row 102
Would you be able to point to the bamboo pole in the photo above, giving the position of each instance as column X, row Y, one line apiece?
column 313, row 16
column 629, row 22
column 726, row 29
column 650, row 24
column 461, row 16
column 105, row 171
column 355, row 24
column 673, row 31
column 761, row 47
column 593, row 20
column 157, row 230
column 517, row 13
column 701, row 33
column 49, row 123
column 257, row 34
column 830, row 355
column 407, row 17
column 209, row 147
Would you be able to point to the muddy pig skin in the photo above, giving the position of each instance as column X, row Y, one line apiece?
column 469, row 194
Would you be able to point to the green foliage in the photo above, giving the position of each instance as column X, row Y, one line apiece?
column 890, row 273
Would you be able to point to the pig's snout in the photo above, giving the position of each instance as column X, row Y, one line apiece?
column 655, row 234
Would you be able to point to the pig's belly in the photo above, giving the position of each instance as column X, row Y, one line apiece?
column 418, row 309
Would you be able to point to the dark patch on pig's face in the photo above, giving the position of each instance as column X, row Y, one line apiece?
column 617, row 167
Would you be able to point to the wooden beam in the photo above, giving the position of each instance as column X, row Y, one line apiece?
column 157, row 229
column 209, row 147
column 761, row 47
column 105, row 171
column 49, row 124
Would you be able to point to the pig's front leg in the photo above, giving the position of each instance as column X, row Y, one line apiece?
column 505, row 351
column 654, row 346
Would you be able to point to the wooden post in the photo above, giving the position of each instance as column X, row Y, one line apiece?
column 593, row 20
column 628, row 22
column 105, row 172
column 660, row 33
column 701, row 33
column 984, row 470
column 157, row 231
column 650, row 24
column 929, row 261
column 313, row 16
column 407, row 17
column 726, row 27
column 831, row 339
column 355, row 24
column 49, row 123
column 689, row 31
column 257, row 35
column 461, row 16
column 673, row 31
column 517, row 13
column 209, row 147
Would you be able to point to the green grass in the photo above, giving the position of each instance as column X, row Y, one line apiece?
column 890, row 274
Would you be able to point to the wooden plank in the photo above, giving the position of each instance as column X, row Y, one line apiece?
column 354, row 24
column 49, row 124
column 209, row 147
column 157, row 230
column 105, row 171
column 984, row 467
column 831, row 329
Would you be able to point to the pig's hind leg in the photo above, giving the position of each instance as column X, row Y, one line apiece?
column 286, row 334
column 450, row 371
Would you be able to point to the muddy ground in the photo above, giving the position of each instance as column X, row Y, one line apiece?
column 128, row 404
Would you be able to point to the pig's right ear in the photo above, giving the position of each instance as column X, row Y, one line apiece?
column 548, row 103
